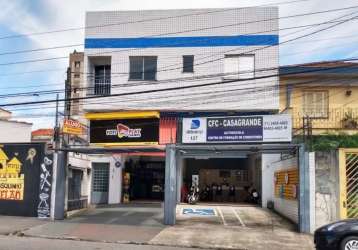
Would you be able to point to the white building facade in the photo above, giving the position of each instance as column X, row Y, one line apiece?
column 157, row 67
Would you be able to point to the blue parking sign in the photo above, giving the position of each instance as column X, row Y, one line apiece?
column 199, row 211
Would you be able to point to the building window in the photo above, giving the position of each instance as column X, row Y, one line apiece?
column 102, row 80
column 76, row 75
column 315, row 104
column 239, row 66
column 142, row 68
column 188, row 64
column 77, row 64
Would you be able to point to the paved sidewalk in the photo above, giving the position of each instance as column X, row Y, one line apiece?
column 250, row 228
column 207, row 227
column 129, row 224
column 25, row 243
column 14, row 224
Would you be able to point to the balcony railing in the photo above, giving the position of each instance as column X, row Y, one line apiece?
column 336, row 118
column 99, row 86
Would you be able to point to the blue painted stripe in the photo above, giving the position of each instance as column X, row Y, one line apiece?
column 172, row 42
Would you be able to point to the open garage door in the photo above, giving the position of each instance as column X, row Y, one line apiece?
column 284, row 182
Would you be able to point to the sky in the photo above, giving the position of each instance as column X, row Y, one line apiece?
column 21, row 17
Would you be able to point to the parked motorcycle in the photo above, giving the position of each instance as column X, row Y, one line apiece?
column 193, row 196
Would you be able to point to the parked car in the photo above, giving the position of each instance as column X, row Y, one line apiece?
column 340, row 235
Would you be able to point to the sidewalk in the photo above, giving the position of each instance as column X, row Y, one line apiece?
column 227, row 227
column 14, row 224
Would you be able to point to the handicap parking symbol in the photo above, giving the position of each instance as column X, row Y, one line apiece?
column 199, row 211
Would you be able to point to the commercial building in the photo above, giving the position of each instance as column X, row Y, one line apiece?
column 176, row 97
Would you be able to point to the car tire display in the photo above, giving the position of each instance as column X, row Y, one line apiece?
column 349, row 243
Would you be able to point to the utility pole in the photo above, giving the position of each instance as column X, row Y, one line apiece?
column 58, row 173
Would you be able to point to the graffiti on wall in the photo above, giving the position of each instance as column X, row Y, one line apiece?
column 286, row 184
column 23, row 179
column 11, row 179
column 43, row 209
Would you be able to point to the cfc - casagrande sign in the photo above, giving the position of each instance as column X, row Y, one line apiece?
column 237, row 129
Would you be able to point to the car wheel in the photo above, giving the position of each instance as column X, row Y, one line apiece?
column 349, row 243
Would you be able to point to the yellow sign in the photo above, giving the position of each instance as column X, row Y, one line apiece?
column 73, row 127
column 11, row 181
column 286, row 184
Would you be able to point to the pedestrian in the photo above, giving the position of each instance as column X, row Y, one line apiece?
column 232, row 197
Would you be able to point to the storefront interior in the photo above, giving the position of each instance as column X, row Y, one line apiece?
column 223, row 180
column 144, row 178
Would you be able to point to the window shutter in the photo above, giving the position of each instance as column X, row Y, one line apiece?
column 246, row 67
column 231, row 68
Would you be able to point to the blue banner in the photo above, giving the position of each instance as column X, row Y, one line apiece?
column 235, row 129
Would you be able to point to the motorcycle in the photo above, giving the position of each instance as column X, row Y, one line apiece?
column 193, row 196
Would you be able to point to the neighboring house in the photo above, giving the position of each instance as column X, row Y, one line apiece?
column 12, row 130
column 323, row 98
column 221, row 62
column 42, row 135
column 326, row 93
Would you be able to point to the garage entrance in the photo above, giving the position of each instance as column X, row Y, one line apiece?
column 223, row 180
column 285, row 184
column 146, row 178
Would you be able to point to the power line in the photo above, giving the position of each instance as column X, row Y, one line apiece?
column 172, row 33
column 138, row 21
column 176, row 88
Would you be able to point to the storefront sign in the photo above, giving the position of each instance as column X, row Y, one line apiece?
column 73, row 127
column 239, row 129
column 125, row 131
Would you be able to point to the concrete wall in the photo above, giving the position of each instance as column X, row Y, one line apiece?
column 207, row 60
column 327, row 187
column 11, row 131
column 271, row 164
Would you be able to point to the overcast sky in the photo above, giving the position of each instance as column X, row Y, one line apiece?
column 24, row 16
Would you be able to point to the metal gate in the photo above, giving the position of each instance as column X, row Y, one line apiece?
column 100, row 183
column 348, row 166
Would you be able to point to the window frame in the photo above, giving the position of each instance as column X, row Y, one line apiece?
column 192, row 66
column 316, row 115
column 143, row 68
column 237, row 76
column 77, row 63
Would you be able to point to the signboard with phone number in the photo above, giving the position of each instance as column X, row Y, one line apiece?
column 237, row 129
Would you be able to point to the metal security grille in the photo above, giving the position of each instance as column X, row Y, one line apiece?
column 351, row 161
column 100, row 179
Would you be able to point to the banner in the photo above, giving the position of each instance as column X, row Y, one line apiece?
column 237, row 129
column 73, row 127
column 144, row 131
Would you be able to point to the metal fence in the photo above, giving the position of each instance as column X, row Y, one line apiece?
column 99, row 86
column 337, row 118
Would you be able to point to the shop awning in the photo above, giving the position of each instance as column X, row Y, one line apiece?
column 122, row 115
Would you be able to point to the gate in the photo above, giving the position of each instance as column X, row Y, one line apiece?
column 100, row 183
column 348, row 167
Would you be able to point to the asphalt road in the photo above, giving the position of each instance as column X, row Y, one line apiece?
column 27, row 243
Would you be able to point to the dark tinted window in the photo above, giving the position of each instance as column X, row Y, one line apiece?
column 188, row 64
column 142, row 67
column 102, row 73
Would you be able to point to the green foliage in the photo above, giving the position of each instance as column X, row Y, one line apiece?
column 332, row 141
